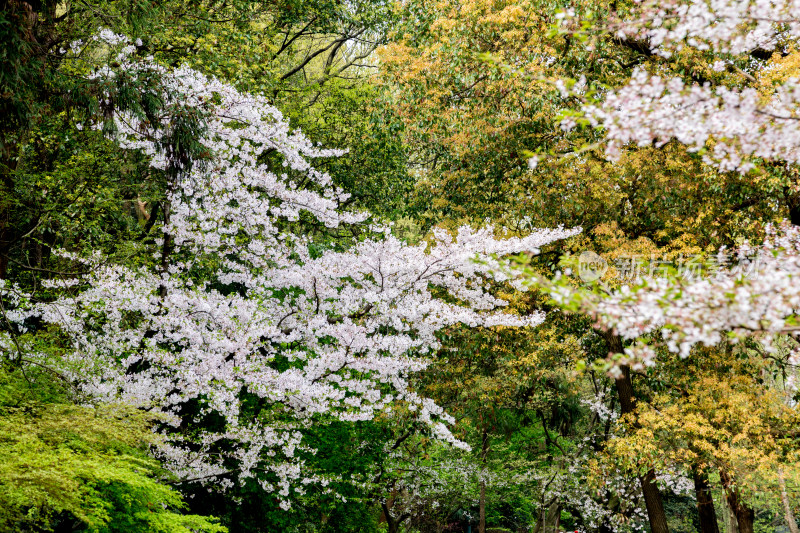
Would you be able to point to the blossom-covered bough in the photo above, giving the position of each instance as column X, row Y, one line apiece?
column 756, row 294
column 240, row 330
column 733, row 127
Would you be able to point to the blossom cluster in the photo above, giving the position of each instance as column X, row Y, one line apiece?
column 724, row 26
column 240, row 313
column 650, row 109
column 684, row 312
column 729, row 126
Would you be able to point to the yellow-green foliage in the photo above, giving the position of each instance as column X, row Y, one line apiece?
column 84, row 466
column 719, row 413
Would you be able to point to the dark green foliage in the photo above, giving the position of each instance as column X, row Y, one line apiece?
column 347, row 455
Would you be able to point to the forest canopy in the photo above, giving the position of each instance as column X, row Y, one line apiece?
column 368, row 266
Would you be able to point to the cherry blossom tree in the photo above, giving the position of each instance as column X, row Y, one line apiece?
column 755, row 293
column 241, row 331
column 738, row 114
column 731, row 125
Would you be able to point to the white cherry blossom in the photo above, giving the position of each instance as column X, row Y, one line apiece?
column 240, row 322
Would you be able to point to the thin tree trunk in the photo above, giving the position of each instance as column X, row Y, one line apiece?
column 787, row 506
column 557, row 524
column 482, row 523
column 652, row 500
column 6, row 236
column 7, row 167
column 548, row 519
column 166, row 248
column 745, row 516
column 392, row 523
column 729, row 518
column 482, row 512
column 652, row 497
column 705, row 503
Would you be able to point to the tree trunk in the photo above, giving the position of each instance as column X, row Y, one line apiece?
column 548, row 520
column 3, row 260
column 6, row 238
column 787, row 506
column 7, row 166
column 393, row 524
column 652, row 500
column 482, row 512
column 705, row 503
column 482, row 522
column 652, row 497
column 729, row 519
column 745, row 516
